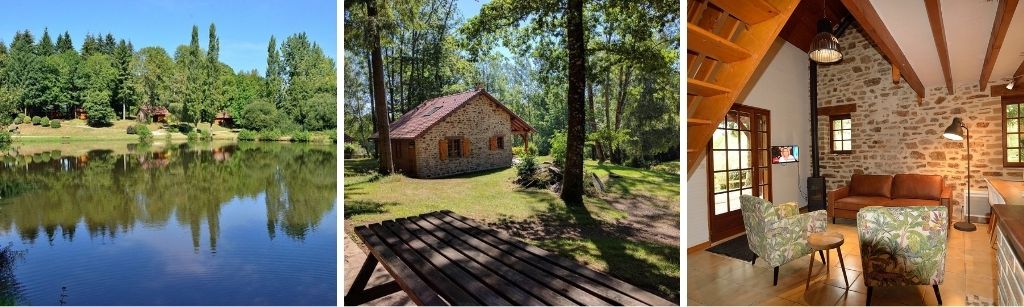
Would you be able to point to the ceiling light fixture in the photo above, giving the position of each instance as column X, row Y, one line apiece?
column 825, row 46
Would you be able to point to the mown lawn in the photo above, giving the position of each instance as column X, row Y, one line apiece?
column 538, row 216
column 78, row 130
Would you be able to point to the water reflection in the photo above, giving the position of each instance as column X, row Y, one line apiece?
column 48, row 198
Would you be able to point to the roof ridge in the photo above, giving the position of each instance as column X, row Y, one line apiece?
column 449, row 95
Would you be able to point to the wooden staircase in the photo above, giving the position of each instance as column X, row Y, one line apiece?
column 726, row 40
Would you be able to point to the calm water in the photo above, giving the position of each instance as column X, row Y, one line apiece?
column 246, row 224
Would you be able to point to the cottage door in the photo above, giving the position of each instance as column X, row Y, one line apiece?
column 404, row 156
column 738, row 163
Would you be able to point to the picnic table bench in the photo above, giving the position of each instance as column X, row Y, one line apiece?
column 442, row 258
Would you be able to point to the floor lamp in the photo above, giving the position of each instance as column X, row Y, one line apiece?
column 958, row 131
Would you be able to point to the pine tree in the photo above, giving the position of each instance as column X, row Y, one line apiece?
column 45, row 46
column 64, row 43
column 212, row 81
column 23, row 42
column 123, row 89
column 108, row 44
column 90, row 45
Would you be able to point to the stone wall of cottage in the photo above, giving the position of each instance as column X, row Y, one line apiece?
column 478, row 121
column 893, row 133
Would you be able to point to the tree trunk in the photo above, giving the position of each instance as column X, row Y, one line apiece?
column 625, row 75
column 572, row 184
column 606, row 91
column 383, row 133
column 595, row 151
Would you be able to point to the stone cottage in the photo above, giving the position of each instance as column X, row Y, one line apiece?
column 454, row 134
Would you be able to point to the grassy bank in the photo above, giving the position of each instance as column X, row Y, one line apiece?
column 79, row 131
column 591, row 235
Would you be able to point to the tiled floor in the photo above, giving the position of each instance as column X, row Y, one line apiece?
column 714, row 279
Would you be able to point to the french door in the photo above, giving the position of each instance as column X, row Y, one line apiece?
column 738, row 164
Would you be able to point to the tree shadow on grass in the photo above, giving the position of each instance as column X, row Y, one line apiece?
column 362, row 207
column 574, row 232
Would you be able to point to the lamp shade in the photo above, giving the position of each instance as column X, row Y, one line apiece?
column 825, row 46
column 955, row 131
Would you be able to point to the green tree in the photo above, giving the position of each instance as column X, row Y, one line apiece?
column 258, row 115
column 64, row 43
column 45, row 46
column 214, row 78
column 275, row 81
column 90, row 45
column 154, row 71
column 96, row 79
column 123, row 88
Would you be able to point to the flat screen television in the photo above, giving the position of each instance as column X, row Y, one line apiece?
column 785, row 154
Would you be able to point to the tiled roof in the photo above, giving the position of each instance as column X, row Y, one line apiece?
column 417, row 121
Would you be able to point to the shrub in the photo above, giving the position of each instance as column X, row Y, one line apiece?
column 525, row 169
column 519, row 151
column 145, row 136
column 45, row 121
column 258, row 116
column 269, row 135
column 54, row 124
column 351, row 150
column 193, row 136
column 300, row 136
column 204, row 135
column 558, row 148
column 333, row 134
column 36, row 120
column 130, row 129
column 184, row 128
column 22, row 119
column 5, row 139
column 100, row 115
column 247, row 135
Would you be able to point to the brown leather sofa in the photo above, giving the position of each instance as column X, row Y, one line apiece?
column 901, row 190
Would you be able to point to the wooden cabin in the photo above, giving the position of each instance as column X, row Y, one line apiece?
column 860, row 92
column 460, row 133
column 153, row 114
column 223, row 119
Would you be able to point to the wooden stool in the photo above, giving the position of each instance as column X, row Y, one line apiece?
column 824, row 241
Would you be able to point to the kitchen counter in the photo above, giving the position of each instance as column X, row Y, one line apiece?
column 1008, row 205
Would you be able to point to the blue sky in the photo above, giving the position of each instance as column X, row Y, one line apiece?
column 244, row 27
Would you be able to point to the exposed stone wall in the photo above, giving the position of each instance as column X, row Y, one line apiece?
column 478, row 121
column 894, row 134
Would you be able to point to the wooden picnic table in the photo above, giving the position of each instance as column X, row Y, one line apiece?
column 442, row 258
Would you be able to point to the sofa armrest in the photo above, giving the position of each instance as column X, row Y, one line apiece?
column 837, row 194
column 947, row 192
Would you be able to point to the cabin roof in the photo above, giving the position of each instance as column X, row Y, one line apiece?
column 417, row 121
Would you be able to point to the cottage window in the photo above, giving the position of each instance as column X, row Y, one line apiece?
column 454, row 148
column 842, row 133
column 1013, row 117
column 500, row 142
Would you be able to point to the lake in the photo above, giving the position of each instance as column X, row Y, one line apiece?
column 209, row 224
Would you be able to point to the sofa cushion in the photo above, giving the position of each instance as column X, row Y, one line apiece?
column 871, row 185
column 857, row 202
column 917, row 186
column 910, row 202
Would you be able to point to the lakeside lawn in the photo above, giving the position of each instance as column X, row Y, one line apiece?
column 77, row 130
column 601, row 235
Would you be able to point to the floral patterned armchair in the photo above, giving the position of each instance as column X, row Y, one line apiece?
column 778, row 233
column 902, row 246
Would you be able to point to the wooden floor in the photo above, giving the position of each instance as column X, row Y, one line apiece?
column 714, row 279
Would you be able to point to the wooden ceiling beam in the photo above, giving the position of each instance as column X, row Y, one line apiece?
column 939, row 33
column 995, row 42
column 869, row 20
column 1018, row 76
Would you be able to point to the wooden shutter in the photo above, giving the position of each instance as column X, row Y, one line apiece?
column 442, row 148
column 465, row 147
column 494, row 143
